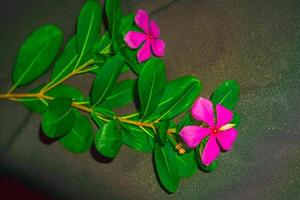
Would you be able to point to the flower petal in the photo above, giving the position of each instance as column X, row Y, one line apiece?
column 192, row 135
column 211, row 151
column 134, row 39
column 145, row 52
column 224, row 115
column 142, row 20
column 227, row 138
column 202, row 110
column 154, row 29
column 158, row 47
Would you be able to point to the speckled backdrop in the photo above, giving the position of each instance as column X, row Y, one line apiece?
column 255, row 42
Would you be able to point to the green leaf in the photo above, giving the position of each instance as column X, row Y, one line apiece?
column 80, row 138
column 40, row 106
column 126, row 24
column 162, row 132
column 88, row 27
column 131, row 59
column 227, row 94
column 199, row 151
column 121, row 94
column 151, row 84
column 236, row 120
column 136, row 139
column 36, row 54
column 106, row 79
column 187, row 164
column 59, row 118
column 104, row 46
column 178, row 96
column 114, row 15
column 166, row 166
column 109, row 139
column 66, row 62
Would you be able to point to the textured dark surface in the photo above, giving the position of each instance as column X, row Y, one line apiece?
column 255, row 42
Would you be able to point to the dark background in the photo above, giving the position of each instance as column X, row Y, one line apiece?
column 255, row 42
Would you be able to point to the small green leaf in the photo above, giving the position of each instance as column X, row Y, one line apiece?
column 66, row 62
column 151, row 85
column 131, row 59
column 121, row 94
column 109, row 139
column 106, row 79
column 136, row 139
column 88, row 27
column 166, row 166
column 114, row 15
column 126, row 24
column 199, row 151
column 59, row 118
column 162, row 132
column 36, row 54
column 40, row 106
column 227, row 94
column 104, row 46
column 178, row 96
column 80, row 138
column 236, row 120
column 187, row 164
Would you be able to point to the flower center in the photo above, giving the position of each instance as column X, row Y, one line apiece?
column 149, row 36
column 214, row 131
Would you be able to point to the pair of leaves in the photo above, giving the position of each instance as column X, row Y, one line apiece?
column 108, row 140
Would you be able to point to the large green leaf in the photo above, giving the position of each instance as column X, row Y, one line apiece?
column 166, row 166
column 59, row 118
column 114, row 15
column 178, row 96
column 40, row 106
column 187, row 164
column 121, row 94
column 88, row 27
column 66, row 62
column 36, row 54
column 106, row 79
column 80, row 138
column 151, row 84
column 227, row 94
column 109, row 139
column 136, row 138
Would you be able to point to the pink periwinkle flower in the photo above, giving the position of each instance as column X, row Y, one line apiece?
column 221, row 135
column 150, row 37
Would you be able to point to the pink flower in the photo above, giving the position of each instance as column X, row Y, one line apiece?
column 221, row 135
column 150, row 37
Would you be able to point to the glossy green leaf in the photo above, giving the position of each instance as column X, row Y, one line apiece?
column 199, row 151
column 106, row 79
column 88, row 27
column 66, row 62
column 178, row 96
column 40, row 106
column 59, row 117
column 108, row 140
column 80, row 138
column 162, row 132
column 166, row 166
column 151, row 84
column 236, row 120
column 104, row 46
column 114, row 15
column 131, row 59
column 36, row 54
column 126, row 24
column 227, row 94
column 187, row 164
column 121, row 95
column 136, row 138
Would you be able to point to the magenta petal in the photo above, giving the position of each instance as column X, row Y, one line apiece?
column 154, row 29
column 227, row 138
column 224, row 115
column 211, row 151
column 158, row 47
column 134, row 39
column 192, row 135
column 142, row 20
column 145, row 52
column 202, row 110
